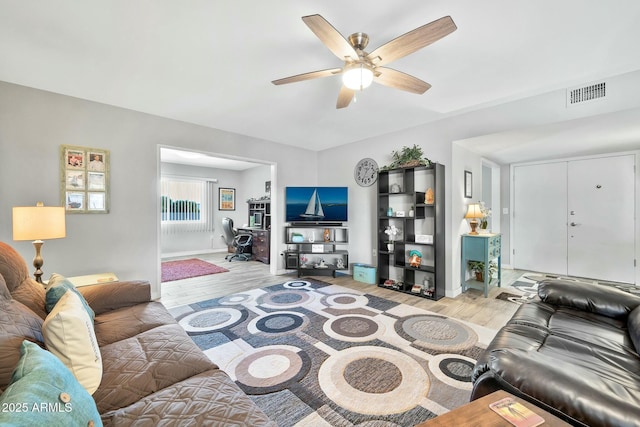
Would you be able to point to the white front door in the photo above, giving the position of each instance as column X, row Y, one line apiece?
column 540, row 217
column 601, row 206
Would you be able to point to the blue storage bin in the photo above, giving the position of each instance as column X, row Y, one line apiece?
column 364, row 273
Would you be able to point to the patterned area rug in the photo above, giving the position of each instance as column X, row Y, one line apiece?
column 184, row 269
column 314, row 354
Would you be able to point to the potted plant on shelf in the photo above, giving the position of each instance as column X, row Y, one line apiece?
column 391, row 230
column 486, row 213
column 477, row 267
column 408, row 157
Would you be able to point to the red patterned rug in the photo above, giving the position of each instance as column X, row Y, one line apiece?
column 186, row 268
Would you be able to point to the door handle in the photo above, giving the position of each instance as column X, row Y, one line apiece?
column 573, row 224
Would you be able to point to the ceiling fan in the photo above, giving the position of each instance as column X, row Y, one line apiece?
column 362, row 68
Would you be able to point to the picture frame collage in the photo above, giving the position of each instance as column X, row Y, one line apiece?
column 84, row 183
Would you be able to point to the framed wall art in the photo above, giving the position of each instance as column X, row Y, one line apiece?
column 84, row 183
column 468, row 184
column 227, row 199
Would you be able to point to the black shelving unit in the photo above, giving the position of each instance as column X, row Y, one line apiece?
column 310, row 244
column 397, row 189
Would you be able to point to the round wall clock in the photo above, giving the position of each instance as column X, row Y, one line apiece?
column 366, row 172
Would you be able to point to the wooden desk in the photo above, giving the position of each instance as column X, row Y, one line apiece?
column 260, row 243
column 478, row 414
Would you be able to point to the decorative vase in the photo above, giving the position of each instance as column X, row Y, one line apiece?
column 390, row 247
column 479, row 276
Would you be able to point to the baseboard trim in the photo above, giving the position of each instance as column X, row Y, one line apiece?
column 189, row 253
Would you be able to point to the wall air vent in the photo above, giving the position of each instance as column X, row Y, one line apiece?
column 583, row 94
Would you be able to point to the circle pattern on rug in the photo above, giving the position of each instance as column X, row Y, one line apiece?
column 342, row 378
column 285, row 299
column 235, row 299
column 358, row 375
column 353, row 328
column 281, row 322
column 439, row 333
column 345, row 301
column 297, row 284
column 212, row 319
column 272, row 368
column 453, row 369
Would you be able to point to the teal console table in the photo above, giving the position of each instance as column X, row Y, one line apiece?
column 485, row 248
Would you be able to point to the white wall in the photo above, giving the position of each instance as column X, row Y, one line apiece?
column 463, row 160
column 34, row 123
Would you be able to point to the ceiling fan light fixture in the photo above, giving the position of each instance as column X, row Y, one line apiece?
column 358, row 76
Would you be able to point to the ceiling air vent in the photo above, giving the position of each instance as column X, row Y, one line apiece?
column 588, row 93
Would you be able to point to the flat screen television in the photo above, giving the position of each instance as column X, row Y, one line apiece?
column 316, row 204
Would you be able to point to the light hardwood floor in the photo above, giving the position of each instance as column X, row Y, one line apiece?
column 470, row 306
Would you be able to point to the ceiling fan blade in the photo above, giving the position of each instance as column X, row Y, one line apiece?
column 412, row 41
column 307, row 76
column 399, row 80
column 344, row 97
column 330, row 37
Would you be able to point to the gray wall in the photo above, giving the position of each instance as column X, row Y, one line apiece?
column 34, row 123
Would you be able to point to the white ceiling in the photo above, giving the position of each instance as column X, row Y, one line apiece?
column 210, row 62
column 195, row 158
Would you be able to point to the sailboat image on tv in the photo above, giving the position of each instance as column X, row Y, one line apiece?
column 314, row 207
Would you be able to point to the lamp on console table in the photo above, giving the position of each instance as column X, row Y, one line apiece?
column 474, row 212
column 38, row 223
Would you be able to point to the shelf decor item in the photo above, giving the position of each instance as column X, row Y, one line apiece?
column 415, row 258
column 428, row 196
column 408, row 157
column 391, row 231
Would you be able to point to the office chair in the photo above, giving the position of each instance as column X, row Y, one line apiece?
column 241, row 242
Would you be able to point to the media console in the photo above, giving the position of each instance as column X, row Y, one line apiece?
column 316, row 249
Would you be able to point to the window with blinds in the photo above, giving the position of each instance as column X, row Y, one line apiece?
column 186, row 204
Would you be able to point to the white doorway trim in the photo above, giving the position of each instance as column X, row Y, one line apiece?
column 275, row 203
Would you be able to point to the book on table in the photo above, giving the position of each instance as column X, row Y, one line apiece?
column 516, row 413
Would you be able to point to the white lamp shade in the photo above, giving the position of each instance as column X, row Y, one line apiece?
column 38, row 222
column 357, row 77
column 474, row 211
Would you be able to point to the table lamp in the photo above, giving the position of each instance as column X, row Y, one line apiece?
column 38, row 223
column 474, row 212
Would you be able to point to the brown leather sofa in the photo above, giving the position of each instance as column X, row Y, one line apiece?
column 573, row 353
column 153, row 373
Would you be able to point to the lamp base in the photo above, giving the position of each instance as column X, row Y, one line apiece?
column 474, row 224
column 38, row 261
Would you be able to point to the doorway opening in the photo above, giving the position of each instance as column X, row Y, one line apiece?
column 244, row 178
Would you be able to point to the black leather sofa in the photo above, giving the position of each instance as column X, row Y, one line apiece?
column 573, row 352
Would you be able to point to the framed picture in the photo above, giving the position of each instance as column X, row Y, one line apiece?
column 84, row 179
column 227, row 199
column 267, row 188
column 74, row 179
column 468, row 184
